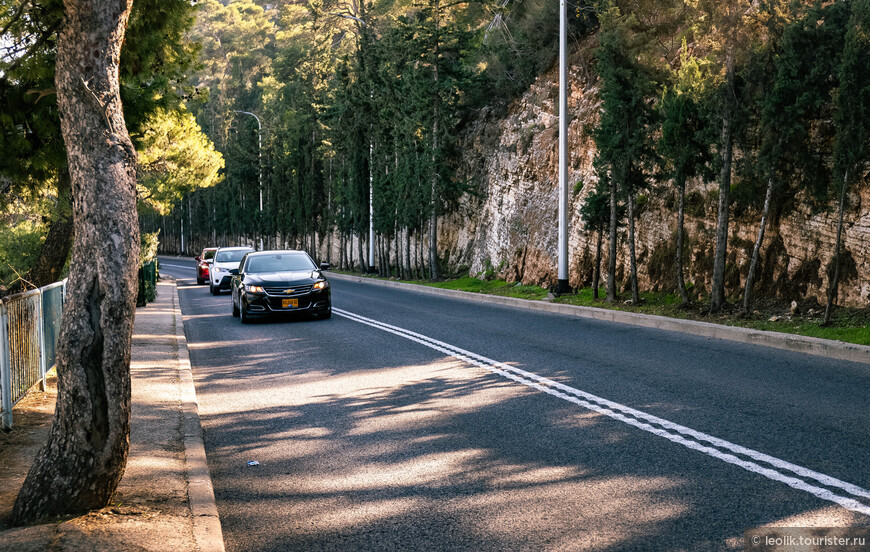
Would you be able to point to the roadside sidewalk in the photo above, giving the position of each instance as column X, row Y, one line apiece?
column 165, row 500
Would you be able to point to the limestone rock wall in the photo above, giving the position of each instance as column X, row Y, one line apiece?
column 510, row 226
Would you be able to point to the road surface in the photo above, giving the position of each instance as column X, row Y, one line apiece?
column 416, row 422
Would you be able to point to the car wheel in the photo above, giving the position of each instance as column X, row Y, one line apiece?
column 214, row 290
column 243, row 313
column 200, row 281
column 235, row 309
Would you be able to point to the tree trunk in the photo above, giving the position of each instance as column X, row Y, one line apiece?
column 421, row 261
column 408, row 273
column 82, row 462
column 611, row 262
column 596, row 273
column 717, row 293
column 756, row 250
column 341, row 264
column 635, row 294
column 362, row 262
column 835, row 279
column 681, row 211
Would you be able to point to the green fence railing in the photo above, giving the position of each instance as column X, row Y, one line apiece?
column 147, row 283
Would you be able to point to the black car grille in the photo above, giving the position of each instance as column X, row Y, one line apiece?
column 288, row 291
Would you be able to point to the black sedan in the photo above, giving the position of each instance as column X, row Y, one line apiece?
column 280, row 282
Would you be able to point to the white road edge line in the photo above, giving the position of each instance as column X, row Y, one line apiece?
column 178, row 266
column 618, row 412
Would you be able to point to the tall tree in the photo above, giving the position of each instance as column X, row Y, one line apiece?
column 595, row 213
column 795, row 103
column 723, row 26
column 175, row 158
column 81, row 464
column 685, row 142
column 624, row 136
column 155, row 60
column 852, row 123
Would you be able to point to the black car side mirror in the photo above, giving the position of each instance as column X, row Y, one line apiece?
column 325, row 266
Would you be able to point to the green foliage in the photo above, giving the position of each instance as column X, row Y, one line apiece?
column 687, row 132
column 175, row 158
column 19, row 246
column 624, row 136
column 155, row 60
column 148, row 247
column 595, row 211
column 521, row 41
column 852, row 117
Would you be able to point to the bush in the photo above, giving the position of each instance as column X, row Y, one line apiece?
column 20, row 245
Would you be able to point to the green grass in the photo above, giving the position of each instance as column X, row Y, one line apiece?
column 490, row 287
column 849, row 325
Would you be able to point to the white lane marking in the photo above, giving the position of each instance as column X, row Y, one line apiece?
column 178, row 266
column 643, row 421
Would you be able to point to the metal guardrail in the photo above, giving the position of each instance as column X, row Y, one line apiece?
column 29, row 328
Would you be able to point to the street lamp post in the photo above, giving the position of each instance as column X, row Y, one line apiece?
column 563, row 286
column 259, row 164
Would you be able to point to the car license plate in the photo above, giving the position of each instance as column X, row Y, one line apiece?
column 289, row 303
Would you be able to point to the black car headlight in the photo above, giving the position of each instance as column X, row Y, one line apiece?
column 253, row 289
column 320, row 285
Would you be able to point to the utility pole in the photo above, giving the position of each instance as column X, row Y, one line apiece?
column 563, row 286
column 259, row 165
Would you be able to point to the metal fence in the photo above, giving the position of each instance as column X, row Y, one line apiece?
column 29, row 328
column 147, row 283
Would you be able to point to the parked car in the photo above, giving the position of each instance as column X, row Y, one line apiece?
column 280, row 282
column 203, row 260
column 225, row 264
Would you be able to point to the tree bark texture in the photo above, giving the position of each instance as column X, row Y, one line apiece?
column 681, row 215
column 82, row 462
column 596, row 273
column 635, row 293
column 835, row 279
column 611, row 262
column 756, row 249
column 717, row 293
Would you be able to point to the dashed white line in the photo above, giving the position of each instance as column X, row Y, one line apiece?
column 669, row 430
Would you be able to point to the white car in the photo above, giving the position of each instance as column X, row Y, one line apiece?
column 226, row 262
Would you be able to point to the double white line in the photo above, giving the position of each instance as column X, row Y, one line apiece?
column 794, row 476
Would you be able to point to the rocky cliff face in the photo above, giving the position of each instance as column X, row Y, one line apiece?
column 510, row 227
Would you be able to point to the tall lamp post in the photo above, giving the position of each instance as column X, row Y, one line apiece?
column 259, row 163
column 563, row 286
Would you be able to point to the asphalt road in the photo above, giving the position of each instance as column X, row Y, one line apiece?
column 416, row 422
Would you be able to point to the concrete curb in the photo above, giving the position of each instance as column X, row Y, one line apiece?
column 206, row 522
column 809, row 345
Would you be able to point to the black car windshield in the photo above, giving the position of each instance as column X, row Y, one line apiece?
column 280, row 262
column 230, row 256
